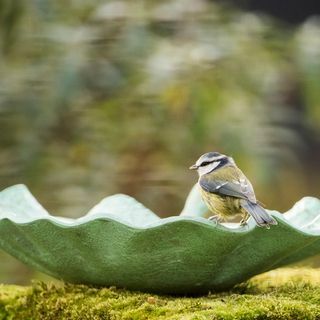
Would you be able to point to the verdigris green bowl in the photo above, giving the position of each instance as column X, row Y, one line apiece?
column 121, row 243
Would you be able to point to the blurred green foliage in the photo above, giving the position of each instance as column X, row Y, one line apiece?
column 100, row 97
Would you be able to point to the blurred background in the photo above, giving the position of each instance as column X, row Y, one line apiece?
column 103, row 97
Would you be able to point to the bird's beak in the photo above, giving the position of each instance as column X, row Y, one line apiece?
column 194, row 167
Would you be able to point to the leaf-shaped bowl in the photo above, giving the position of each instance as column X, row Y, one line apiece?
column 121, row 243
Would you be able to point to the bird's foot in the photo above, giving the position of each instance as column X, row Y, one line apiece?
column 243, row 223
column 215, row 219
column 244, row 220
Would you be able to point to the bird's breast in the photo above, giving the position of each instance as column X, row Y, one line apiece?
column 223, row 206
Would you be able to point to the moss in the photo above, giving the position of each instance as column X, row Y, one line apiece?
column 279, row 294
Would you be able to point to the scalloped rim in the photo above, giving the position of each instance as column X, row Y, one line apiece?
column 302, row 205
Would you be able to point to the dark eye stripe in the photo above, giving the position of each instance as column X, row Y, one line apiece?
column 205, row 163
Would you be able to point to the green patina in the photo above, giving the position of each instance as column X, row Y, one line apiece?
column 281, row 294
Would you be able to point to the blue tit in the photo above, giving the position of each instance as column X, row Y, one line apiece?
column 226, row 190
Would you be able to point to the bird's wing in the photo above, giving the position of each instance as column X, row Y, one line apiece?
column 239, row 188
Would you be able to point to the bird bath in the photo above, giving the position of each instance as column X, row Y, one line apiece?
column 122, row 243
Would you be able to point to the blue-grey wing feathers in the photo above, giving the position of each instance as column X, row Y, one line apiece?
column 243, row 190
column 232, row 189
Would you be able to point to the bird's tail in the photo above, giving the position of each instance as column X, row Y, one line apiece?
column 260, row 215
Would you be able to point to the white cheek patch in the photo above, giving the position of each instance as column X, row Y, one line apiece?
column 208, row 168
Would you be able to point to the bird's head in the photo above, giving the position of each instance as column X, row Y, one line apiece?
column 211, row 161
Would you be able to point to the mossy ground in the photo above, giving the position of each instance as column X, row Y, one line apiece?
column 280, row 294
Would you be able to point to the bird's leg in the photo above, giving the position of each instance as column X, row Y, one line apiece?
column 215, row 218
column 244, row 219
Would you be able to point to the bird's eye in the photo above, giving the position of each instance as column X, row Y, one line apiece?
column 205, row 163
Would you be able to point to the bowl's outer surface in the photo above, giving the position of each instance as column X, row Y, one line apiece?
column 121, row 243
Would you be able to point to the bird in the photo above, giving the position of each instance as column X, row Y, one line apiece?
column 227, row 192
